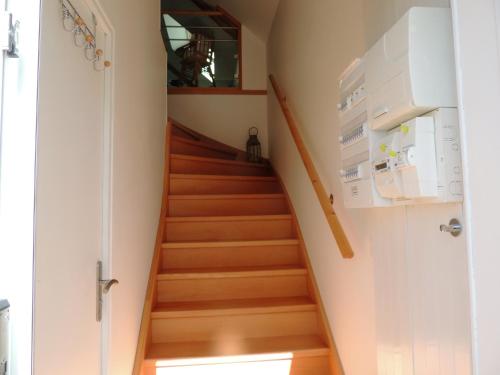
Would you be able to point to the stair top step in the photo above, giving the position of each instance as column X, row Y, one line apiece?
column 224, row 196
column 218, row 161
column 227, row 218
column 219, row 244
column 206, row 144
column 232, row 307
column 299, row 346
column 180, row 176
column 233, row 272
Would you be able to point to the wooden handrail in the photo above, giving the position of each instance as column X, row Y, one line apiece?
column 324, row 200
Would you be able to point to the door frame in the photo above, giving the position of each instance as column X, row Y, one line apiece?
column 477, row 50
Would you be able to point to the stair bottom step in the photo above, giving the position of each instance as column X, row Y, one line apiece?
column 299, row 346
column 273, row 366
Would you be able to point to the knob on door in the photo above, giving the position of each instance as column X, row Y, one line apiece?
column 454, row 228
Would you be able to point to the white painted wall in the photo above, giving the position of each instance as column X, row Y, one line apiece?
column 254, row 60
column 233, row 114
column 309, row 78
column 140, row 117
column 225, row 118
column 477, row 26
column 258, row 15
column 66, row 155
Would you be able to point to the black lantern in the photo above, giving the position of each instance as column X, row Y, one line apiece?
column 254, row 152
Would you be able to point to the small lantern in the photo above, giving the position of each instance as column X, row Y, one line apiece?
column 254, row 152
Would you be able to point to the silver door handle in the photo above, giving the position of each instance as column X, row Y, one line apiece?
column 454, row 228
column 107, row 284
column 102, row 287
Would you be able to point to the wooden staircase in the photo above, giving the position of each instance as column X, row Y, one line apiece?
column 231, row 289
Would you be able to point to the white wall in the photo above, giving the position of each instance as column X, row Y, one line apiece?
column 254, row 60
column 309, row 78
column 228, row 117
column 225, row 118
column 477, row 26
column 140, row 116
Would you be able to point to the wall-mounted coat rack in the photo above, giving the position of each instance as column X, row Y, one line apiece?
column 83, row 35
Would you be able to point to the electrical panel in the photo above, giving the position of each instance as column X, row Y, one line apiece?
column 419, row 161
column 356, row 141
column 399, row 137
column 411, row 69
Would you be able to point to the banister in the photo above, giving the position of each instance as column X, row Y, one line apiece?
column 332, row 218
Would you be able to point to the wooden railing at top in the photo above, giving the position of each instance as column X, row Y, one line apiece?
column 324, row 200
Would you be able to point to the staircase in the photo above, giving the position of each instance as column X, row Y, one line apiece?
column 231, row 290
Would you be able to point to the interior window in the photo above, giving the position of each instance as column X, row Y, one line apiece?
column 203, row 43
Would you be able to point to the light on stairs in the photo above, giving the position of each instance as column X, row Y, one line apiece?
column 265, row 364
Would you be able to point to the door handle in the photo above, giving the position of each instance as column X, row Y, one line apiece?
column 102, row 287
column 454, row 228
column 107, row 284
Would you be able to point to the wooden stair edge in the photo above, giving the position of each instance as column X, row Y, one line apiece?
column 203, row 273
column 189, row 176
column 144, row 337
column 225, row 196
column 176, row 219
column 334, row 356
column 204, row 144
column 302, row 346
column 219, row 244
column 203, row 159
column 236, row 307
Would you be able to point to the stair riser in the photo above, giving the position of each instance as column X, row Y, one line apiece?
column 296, row 366
column 229, row 230
column 234, row 327
column 185, row 166
column 232, row 288
column 248, row 256
column 227, row 207
column 201, row 186
column 185, row 148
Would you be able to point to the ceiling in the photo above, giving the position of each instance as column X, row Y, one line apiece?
column 257, row 15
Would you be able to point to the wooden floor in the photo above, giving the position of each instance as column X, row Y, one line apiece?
column 232, row 287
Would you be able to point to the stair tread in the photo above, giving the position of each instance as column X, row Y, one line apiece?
column 221, row 177
column 203, row 273
column 218, row 161
column 218, row 244
column 205, row 143
column 225, row 196
column 233, row 307
column 300, row 346
column 229, row 218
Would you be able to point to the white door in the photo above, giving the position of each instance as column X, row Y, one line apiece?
column 422, row 293
column 439, row 292
column 71, row 197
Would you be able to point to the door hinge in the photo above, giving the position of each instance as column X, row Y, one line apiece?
column 9, row 34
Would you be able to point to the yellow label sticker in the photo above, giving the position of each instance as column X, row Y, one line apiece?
column 405, row 129
column 393, row 154
column 383, row 147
